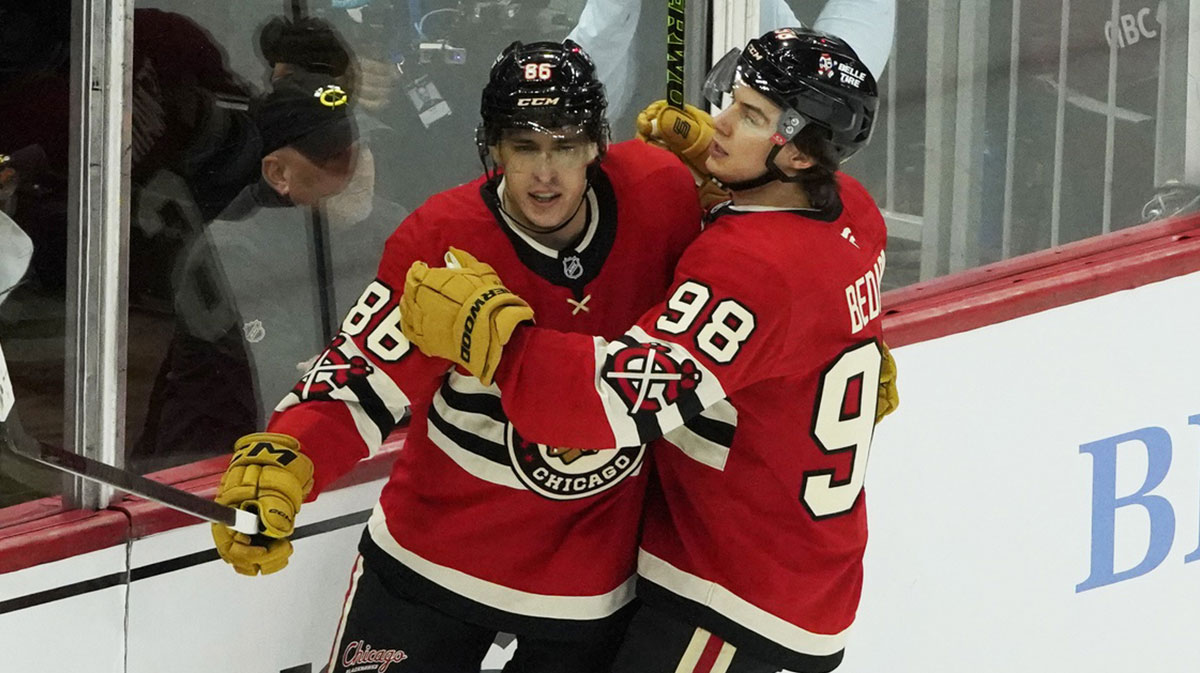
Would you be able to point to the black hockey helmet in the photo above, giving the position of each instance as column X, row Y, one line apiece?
column 543, row 86
column 815, row 77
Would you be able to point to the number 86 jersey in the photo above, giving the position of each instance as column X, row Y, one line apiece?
column 759, row 371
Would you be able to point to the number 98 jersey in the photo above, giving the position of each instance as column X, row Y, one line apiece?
column 760, row 372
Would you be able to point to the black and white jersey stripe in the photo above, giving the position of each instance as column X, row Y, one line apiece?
column 375, row 402
column 467, row 422
column 707, row 438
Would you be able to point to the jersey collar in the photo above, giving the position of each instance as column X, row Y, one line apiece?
column 578, row 264
column 728, row 208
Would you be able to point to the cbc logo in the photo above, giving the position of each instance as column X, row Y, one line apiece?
column 1131, row 28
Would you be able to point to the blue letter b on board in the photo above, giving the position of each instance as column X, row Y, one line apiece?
column 1105, row 502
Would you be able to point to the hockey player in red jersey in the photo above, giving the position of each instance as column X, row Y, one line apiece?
column 759, row 372
column 479, row 530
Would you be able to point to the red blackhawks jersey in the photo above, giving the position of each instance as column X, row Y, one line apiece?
column 760, row 373
column 475, row 519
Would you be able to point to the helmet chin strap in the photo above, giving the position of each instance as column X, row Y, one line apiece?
column 770, row 175
column 534, row 230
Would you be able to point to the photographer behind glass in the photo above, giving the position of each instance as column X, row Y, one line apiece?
column 417, row 68
column 258, row 290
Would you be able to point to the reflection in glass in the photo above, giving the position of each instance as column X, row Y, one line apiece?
column 34, row 122
column 254, row 227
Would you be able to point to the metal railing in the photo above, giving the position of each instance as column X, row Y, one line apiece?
column 98, row 230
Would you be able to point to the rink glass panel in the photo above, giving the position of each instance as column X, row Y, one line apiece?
column 228, row 309
column 1011, row 127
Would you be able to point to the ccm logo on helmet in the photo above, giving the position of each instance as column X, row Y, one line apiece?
column 537, row 102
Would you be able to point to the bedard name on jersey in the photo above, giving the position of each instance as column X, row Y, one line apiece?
column 476, row 520
column 756, row 528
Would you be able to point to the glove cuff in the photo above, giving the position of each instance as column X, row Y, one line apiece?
column 277, row 438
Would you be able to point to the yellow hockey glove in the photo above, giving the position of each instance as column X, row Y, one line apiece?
column 888, row 396
column 251, row 554
column 267, row 475
column 687, row 133
column 463, row 314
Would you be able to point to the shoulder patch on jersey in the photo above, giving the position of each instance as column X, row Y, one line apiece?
column 647, row 376
column 332, row 370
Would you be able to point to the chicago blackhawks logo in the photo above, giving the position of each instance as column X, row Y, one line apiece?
column 331, row 96
column 569, row 474
column 331, row 371
column 646, row 376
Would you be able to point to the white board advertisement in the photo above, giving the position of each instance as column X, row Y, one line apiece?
column 81, row 631
column 1034, row 503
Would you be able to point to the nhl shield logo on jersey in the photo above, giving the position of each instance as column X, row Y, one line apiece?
column 646, row 376
column 572, row 267
column 334, row 369
column 569, row 474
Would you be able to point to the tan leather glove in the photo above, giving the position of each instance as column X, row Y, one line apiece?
column 267, row 475
column 686, row 133
column 888, row 396
column 463, row 314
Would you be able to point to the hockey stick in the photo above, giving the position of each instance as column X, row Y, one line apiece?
column 14, row 439
column 675, row 48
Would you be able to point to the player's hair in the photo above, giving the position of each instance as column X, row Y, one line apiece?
column 818, row 181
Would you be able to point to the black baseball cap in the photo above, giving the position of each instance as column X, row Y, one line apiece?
column 309, row 112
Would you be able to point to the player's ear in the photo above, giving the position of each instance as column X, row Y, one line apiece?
column 275, row 172
column 793, row 159
column 494, row 153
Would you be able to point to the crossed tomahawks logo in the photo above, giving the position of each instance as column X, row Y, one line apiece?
column 331, row 371
column 645, row 373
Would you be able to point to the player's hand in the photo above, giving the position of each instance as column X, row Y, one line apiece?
column 267, row 475
column 687, row 133
column 888, row 397
column 462, row 314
